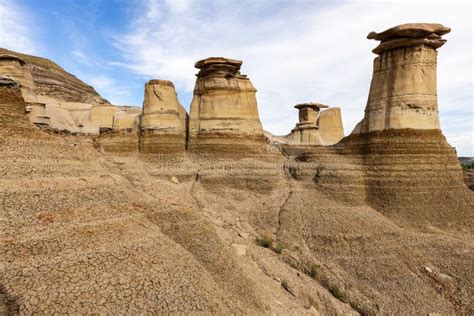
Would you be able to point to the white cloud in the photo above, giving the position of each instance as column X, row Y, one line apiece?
column 298, row 51
column 15, row 30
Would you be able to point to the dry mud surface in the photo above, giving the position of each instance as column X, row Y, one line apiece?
column 360, row 227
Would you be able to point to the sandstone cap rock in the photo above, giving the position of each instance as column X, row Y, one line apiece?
column 217, row 60
column 313, row 105
column 412, row 30
column 408, row 35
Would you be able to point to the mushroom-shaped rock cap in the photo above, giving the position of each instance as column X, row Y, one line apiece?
column 313, row 105
column 411, row 30
column 217, row 60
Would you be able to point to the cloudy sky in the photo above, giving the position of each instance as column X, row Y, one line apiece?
column 293, row 51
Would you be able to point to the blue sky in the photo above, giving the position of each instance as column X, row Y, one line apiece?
column 293, row 51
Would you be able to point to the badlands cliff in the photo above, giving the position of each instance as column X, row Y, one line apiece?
column 115, row 210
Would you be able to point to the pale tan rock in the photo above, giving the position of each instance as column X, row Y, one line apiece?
column 223, row 114
column 240, row 250
column 123, row 120
column 103, row 115
column 52, row 80
column 55, row 98
column 37, row 114
column 14, row 67
column 330, row 126
column 306, row 131
column 60, row 119
column 161, row 128
column 124, row 135
column 403, row 91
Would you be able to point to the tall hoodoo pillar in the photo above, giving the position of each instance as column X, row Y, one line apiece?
column 161, row 127
column 224, row 115
column 403, row 90
column 410, row 171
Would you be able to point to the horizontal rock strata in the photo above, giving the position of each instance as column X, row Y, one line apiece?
column 161, row 127
column 224, row 115
column 403, row 88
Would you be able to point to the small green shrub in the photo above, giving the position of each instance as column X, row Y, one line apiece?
column 338, row 293
column 265, row 241
column 313, row 271
column 277, row 247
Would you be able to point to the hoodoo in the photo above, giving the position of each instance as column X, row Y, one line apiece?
column 224, row 115
column 378, row 223
column 316, row 127
column 162, row 127
column 403, row 88
column 306, row 131
column 405, row 155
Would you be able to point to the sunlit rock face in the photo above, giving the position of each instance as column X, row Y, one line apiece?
column 410, row 170
column 162, row 128
column 306, row 131
column 316, row 127
column 403, row 89
column 224, row 115
column 330, row 126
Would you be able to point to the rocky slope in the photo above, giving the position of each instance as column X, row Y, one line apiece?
column 85, row 231
column 379, row 223
column 53, row 81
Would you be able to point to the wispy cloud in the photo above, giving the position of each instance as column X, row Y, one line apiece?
column 295, row 51
column 15, row 28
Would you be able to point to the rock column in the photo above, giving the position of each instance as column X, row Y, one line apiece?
column 161, row 127
column 306, row 131
column 224, row 115
column 403, row 88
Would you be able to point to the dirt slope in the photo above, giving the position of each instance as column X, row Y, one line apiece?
column 352, row 228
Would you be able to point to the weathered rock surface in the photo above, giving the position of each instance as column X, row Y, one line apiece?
column 161, row 127
column 316, row 127
column 410, row 30
column 306, row 131
column 224, row 115
column 330, row 125
column 53, row 81
column 379, row 223
column 403, row 89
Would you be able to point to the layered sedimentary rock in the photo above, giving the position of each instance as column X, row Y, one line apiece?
column 53, row 81
column 224, row 115
column 410, row 170
column 379, row 223
column 54, row 98
column 403, row 88
column 14, row 67
column 123, row 136
column 161, row 127
column 317, row 127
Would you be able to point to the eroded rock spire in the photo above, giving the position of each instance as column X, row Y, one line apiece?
column 403, row 90
column 223, row 115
